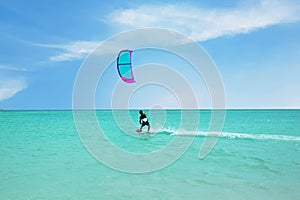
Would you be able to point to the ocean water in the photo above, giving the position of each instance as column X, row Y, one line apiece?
column 257, row 156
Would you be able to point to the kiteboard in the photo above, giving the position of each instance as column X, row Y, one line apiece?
column 138, row 130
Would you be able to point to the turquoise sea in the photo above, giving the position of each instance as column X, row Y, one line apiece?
column 257, row 156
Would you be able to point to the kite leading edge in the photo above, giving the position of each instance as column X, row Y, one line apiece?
column 124, row 66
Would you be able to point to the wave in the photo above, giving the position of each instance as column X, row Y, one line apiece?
column 230, row 135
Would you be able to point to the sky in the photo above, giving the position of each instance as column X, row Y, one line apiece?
column 253, row 43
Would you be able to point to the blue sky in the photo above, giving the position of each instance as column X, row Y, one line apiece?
column 254, row 44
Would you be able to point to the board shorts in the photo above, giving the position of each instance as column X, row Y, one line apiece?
column 144, row 123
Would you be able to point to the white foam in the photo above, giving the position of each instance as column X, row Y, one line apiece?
column 232, row 135
column 261, row 136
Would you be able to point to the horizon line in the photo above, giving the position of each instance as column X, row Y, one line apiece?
column 105, row 109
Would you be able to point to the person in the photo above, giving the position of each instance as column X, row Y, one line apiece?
column 144, row 121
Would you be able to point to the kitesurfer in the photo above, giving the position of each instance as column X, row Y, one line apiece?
column 144, row 121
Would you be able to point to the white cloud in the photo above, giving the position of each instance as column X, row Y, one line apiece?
column 204, row 24
column 75, row 50
column 198, row 23
column 8, row 88
column 13, row 68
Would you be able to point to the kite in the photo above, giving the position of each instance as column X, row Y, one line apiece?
column 124, row 66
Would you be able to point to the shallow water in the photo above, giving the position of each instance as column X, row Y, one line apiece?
column 256, row 157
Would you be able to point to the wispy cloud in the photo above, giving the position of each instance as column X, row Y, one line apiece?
column 13, row 68
column 200, row 24
column 204, row 24
column 8, row 88
column 75, row 50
